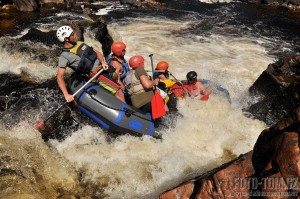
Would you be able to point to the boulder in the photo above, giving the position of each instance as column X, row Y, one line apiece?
column 53, row 1
column 6, row 2
column 276, row 91
column 26, row 5
column 143, row 3
column 102, row 35
column 271, row 170
column 294, row 2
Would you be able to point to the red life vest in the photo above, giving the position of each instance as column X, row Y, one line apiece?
column 189, row 87
column 179, row 91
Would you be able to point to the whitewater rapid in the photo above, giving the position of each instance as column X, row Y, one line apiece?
column 210, row 133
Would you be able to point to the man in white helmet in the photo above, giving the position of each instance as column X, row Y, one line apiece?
column 82, row 59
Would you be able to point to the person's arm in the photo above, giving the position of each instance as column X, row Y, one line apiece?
column 162, row 77
column 117, row 73
column 62, row 85
column 101, row 59
column 142, row 75
column 202, row 89
column 119, row 79
column 147, row 83
column 117, row 67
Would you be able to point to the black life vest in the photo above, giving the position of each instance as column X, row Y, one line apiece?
column 87, row 56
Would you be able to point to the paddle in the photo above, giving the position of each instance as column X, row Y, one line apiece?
column 44, row 121
column 157, row 102
column 175, row 78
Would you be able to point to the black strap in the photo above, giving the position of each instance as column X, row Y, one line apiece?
column 115, row 59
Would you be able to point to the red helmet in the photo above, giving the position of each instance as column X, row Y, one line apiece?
column 162, row 65
column 136, row 61
column 118, row 47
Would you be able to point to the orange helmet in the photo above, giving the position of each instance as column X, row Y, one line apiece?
column 136, row 61
column 118, row 47
column 162, row 65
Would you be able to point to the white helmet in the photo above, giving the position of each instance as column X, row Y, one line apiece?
column 63, row 32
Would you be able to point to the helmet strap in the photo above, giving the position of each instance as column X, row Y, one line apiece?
column 118, row 56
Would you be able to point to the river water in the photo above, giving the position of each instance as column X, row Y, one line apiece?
column 227, row 43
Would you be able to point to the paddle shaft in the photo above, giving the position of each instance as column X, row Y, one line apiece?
column 151, row 59
column 174, row 77
column 98, row 73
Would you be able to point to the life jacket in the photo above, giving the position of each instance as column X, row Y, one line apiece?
column 127, row 80
column 135, row 86
column 189, row 87
column 180, row 91
column 87, row 56
column 156, row 74
column 168, row 82
column 125, row 66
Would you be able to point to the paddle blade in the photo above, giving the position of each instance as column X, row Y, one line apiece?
column 158, row 106
column 39, row 125
column 204, row 97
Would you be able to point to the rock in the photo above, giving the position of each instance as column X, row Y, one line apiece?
column 143, row 3
column 271, row 170
column 8, row 7
column 53, row 1
column 295, row 2
column 102, row 34
column 35, row 35
column 39, row 177
column 276, row 91
column 183, row 191
column 26, row 5
column 6, row 2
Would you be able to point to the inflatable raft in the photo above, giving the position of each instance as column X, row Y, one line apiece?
column 110, row 113
column 120, row 118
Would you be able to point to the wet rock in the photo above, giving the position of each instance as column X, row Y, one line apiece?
column 183, row 191
column 293, row 5
column 253, row 1
column 42, row 174
column 143, row 3
column 6, row 2
column 101, row 34
column 276, row 93
column 294, row 2
column 35, row 35
column 55, row 1
column 26, row 5
column 218, row 183
column 271, row 170
column 8, row 7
